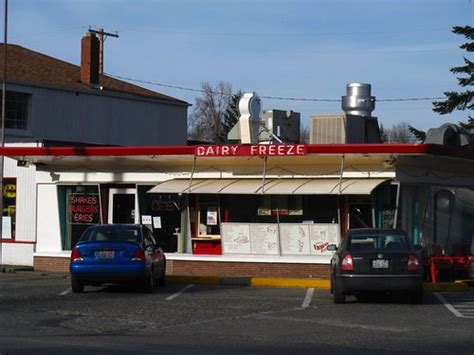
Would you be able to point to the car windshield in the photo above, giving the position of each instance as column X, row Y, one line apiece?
column 366, row 242
column 112, row 234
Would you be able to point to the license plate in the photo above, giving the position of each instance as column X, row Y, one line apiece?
column 380, row 264
column 105, row 254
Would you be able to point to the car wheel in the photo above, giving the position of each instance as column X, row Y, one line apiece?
column 76, row 285
column 161, row 281
column 338, row 296
column 149, row 284
column 416, row 297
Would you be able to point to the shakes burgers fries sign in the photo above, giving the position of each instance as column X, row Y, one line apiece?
column 83, row 208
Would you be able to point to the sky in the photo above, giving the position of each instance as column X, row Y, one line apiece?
column 279, row 48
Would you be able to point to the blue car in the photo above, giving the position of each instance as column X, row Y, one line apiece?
column 117, row 253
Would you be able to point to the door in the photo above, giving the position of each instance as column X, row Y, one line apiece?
column 122, row 206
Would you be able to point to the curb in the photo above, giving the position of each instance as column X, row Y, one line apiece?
column 12, row 269
column 249, row 281
column 457, row 286
column 324, row 284
column 303, row 283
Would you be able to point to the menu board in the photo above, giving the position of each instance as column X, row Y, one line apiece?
column 264, row 239
column 321, row 235
column 294, row 239
column 235, row 238
column 279, row 239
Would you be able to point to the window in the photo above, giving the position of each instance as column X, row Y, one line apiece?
column 79, row 208
column 9, row 207
column 17, row 110
column 444, row 207
column 366, row 242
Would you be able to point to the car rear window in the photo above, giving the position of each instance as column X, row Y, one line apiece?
column 115, row 235
column 366, row 242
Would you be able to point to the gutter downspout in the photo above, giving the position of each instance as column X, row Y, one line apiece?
column 192, row 174
column 264, row 173
column 342, row 172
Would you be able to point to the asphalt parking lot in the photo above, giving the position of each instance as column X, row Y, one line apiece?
column 39, row 314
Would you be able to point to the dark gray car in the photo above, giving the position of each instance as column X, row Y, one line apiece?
column 375, row 260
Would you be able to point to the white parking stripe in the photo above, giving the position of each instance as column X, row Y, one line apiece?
column 64, row 293
column 184, row 289
column 448, row 305
column 308, row 297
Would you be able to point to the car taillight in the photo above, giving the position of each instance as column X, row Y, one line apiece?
column 413, row 263
column 346, row 263
column 139, row 255
column 76, row 255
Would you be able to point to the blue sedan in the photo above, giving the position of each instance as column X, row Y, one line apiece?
column 117, row 253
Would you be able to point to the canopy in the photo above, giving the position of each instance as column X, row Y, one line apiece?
column 315, row 186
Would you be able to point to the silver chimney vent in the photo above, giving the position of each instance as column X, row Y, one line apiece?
column 358, row 101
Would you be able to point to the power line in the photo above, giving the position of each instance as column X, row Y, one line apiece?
column 281, row 98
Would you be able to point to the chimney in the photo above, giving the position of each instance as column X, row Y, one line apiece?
column 90, row 59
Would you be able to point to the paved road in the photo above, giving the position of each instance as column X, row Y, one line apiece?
column 39, row 314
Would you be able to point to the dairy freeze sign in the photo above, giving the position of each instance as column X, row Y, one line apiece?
column 261, row 150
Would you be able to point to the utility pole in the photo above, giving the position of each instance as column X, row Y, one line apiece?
column 2, row 132
column 102, row 36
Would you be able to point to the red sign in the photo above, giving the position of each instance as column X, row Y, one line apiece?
column 261, row 150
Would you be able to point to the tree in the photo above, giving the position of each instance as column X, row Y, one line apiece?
column 231, row 117
column 207, row 116
column 419, row 134
column 399, row 133
column 304, row 133
column 460, row 100
column 383, row 134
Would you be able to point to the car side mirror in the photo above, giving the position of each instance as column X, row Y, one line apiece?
column 332, row 247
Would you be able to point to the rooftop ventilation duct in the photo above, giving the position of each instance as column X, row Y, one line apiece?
column 358, row 101
column 355, row 126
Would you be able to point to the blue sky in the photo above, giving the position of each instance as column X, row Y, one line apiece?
column 285, row 48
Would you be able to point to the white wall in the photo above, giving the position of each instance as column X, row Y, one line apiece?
column 17, row 254
column 48, row 228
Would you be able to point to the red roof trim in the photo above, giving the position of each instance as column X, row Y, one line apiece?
column 190, row 150
column 13, row 241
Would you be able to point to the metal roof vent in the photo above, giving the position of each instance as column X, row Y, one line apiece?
column 358, row 101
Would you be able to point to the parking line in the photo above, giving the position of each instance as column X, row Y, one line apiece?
column 308, row 297
column 184, row 289
column 64, row 293
column 448, row 305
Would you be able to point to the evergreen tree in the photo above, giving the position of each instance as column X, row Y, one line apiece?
column 461, row 100
column 419, row 135
column 458, row 100
column 383, row 134
column 231, row 117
